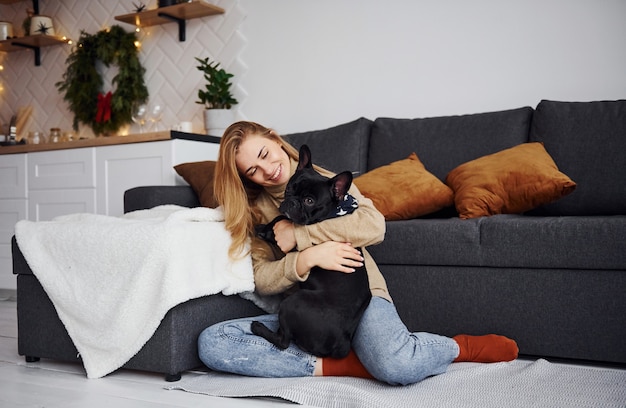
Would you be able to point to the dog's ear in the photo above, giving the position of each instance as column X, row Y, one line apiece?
column 304, row 161
column 340, row 184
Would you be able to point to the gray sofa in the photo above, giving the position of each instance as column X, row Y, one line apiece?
column 553, row 278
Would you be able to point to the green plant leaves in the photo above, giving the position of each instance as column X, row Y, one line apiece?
column 216, row 93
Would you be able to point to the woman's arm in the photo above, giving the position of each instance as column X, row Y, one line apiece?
column 272, row 277
column 276, row 276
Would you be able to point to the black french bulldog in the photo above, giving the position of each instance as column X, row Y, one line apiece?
column 322, row 316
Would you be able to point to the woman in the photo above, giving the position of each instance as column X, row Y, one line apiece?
column 252, row 171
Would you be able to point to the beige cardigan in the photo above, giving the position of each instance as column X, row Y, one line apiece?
column 275, row 272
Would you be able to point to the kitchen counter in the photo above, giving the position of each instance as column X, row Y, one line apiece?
column 109, row 141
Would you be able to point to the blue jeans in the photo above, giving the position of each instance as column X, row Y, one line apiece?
column 382, row 342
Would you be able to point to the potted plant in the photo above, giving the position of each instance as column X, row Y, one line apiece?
column 216, row 97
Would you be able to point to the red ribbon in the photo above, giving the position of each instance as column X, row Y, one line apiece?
column 104, row 107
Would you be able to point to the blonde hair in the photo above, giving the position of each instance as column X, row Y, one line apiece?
column 233, row 191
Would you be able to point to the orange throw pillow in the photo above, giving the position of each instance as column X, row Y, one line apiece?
column 199, row 175
column 511, row 181
column 404, row 189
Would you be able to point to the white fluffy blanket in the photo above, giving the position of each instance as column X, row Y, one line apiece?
column 113, row 279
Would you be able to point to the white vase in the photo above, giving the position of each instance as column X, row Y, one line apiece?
column 6, row 30
column 217, row 120
column 41, row 25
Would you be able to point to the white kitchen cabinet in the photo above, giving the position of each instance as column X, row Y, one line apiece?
column 13, row 176
column 11, row 211
column 62, row 169
column 61, row 182
column 45, row 184
column 44, row 205
column 121, row 167
column 13, row 207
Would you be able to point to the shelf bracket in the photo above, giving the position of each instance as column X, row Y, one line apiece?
column 36, row 50
column 181, row 24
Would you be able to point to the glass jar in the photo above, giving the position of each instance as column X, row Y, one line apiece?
column 34, row 138
column 55, row 135
column 68, row 136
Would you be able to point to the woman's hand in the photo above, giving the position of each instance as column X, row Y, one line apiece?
column 285, row 235
column 331, row 255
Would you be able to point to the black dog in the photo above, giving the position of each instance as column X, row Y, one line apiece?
column 322, row 316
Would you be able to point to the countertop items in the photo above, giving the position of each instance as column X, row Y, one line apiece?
column 108, row 141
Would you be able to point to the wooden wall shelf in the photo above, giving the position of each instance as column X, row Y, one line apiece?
column 35, row 4
column 178, row 13
column 33, row 42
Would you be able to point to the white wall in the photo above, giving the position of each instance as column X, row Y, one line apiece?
column 304, row 64
column 314, row 64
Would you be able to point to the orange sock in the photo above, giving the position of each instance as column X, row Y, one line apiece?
column 490, row 348
column 349, row 366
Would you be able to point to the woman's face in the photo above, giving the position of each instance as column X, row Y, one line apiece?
column 263, row 161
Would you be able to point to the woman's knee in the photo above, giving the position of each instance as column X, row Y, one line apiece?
column 220, row 343
column 396, row 371
column 208, row 345
column 419, row 356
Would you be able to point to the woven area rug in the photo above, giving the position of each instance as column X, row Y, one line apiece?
column 519, row 383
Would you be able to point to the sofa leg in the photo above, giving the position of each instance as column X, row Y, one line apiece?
column 31, row 359
column 172, row 377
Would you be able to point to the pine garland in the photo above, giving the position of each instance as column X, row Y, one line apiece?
column 82, row 83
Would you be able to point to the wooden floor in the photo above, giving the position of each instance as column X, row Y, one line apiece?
column 53, row 384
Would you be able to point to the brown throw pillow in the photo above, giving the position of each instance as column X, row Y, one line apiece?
column 199, row 175
column 404, row 189
column 511, row 181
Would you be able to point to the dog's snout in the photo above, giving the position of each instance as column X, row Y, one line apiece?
column 287, row 206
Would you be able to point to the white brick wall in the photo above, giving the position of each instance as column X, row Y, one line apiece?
column 171, row 76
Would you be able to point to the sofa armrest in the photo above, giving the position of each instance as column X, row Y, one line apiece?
column 20, row 266
column 142, row 198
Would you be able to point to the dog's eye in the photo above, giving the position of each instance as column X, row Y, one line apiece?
column 308, row 201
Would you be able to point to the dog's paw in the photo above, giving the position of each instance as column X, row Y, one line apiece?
column 278, row 339
column 258, row 328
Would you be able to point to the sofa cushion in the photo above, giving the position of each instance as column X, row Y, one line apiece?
column 339, row 148
column 199, row 175
column 442, row 143
column 404, row 189
column 587, row 140
column 446, row 241
column 506, row 241
column 511, row 181
column 568, row 242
